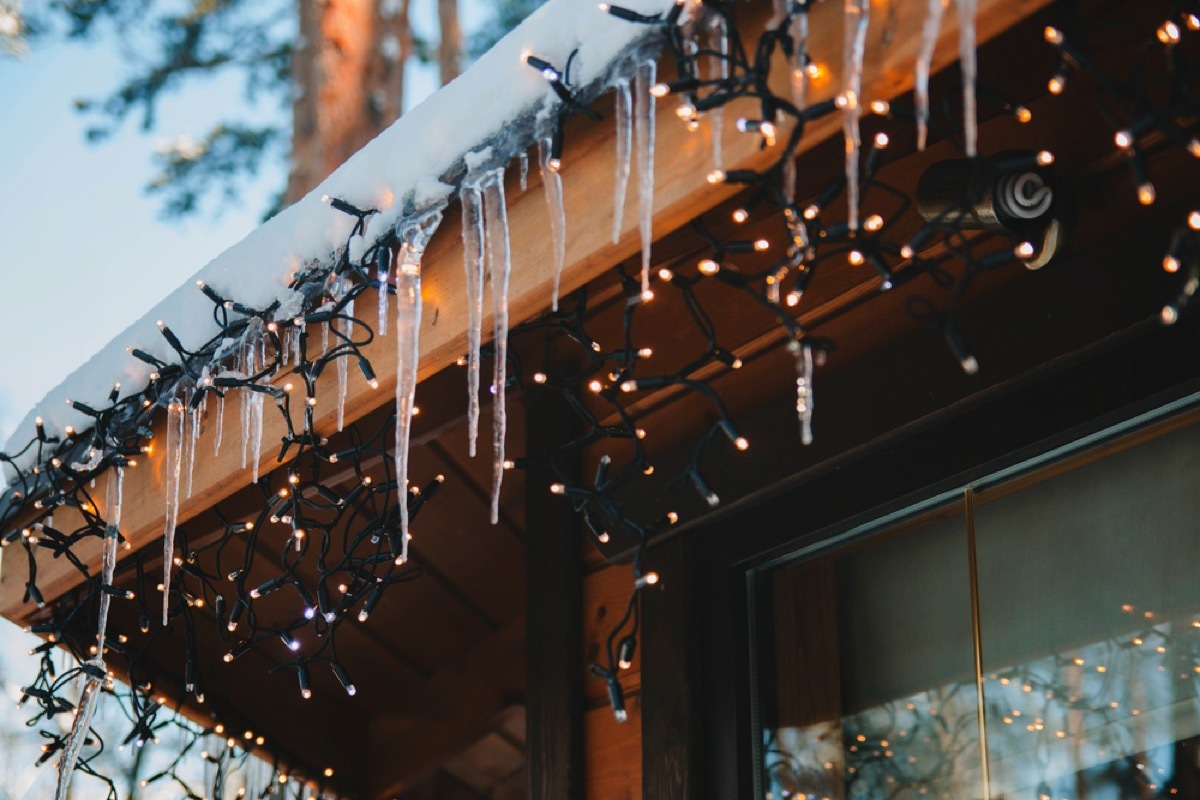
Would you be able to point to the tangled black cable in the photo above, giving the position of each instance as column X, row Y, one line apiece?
column 345, row 522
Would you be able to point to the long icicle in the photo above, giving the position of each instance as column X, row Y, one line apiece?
column 382, row 270
column 800, row 58
column 967, row 58
column 473, row 266
column 193, row 438
column 500, row 266
column 804, row 390
column 552, row 183
column 624, row 118
column 929, row 37
column 643, row 109
column 343, row 380
column 220, row 431
column 173, row 466
column 84, row 713
column 857, row 18
column 718, row 42
column 408, row 350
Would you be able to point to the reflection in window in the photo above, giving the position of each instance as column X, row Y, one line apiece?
column 1089, row 626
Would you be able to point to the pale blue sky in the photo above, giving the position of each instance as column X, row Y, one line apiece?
column 82, row 250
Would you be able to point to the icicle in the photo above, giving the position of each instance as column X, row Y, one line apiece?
column 644, row 134
column 112, row 510
column 780, row 14
column 804, row 389
column 256, row 432
column 297, row 340
column 857, row 18
column 966, row 56
column 173, row 465
column 343, row 379
column 408, row 348
column 245, row 368
column 499, row 266
column 624, row 115
column 473, row 265
column 192, row 440
column 718, row 42
column 220, row 431
column 800, row 59
column 84, row 713
column 523, row 157
column 552, row 182
column 382, row 274
column 929, row 36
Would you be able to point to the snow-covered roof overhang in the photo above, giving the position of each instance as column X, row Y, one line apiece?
column 412, row 165
column 419, row 163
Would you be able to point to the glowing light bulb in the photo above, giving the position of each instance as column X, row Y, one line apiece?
column 1025, row 250
column 855, row 258
column 1168, row 33
column 1194, row 220
column 762, row 245
column 881, row 140
column 660, row 90
column 1146, row 193
column 742, row 443
column 1053, row 35
column 716, row 176
column 708, row 267
column 1123, row 138
column 557, row 488
column 1023, row 114
column 812, row 211
column 1056, row 84
column 595, row 386
column 741, row 215
column 873, row 222
column 880, row 107
column 1045, row 158
column 666, row 274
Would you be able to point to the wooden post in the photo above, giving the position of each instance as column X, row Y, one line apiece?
column 554, row 614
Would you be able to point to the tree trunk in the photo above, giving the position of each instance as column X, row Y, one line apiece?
column 348, row 71
column 450, row 45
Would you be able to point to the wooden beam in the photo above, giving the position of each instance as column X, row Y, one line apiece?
column 681, row 193
column 447, row 712
column 554, row 613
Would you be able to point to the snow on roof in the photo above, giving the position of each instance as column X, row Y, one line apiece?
column 400, row 171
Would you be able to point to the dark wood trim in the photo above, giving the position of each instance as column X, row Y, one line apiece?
column 554, row 614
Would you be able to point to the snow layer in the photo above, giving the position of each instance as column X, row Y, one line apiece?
column 399, row 172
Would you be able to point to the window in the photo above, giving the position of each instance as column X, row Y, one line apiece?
column 1082, row 631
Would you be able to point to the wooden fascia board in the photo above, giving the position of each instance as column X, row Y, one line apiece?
column 681, row 193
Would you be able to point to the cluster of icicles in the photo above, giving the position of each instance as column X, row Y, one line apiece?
column 488, row 260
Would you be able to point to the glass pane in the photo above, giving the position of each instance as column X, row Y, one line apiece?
column 1089, row 605
column 867, row 670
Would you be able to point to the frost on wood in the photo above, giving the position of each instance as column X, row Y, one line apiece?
column 552, row 183
column 929, row 36
column 644, row 134
column 414, row 239
column 624, row 119
column 473, row 265
column 857, row 19
column 499, row 266
column 966, row 55
column 173, row 465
